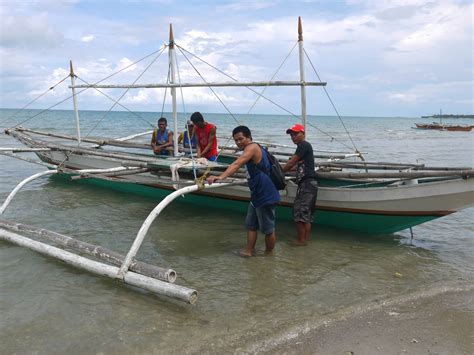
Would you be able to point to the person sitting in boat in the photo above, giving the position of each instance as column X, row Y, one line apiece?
column 184, row 137
column 162, row 138
column 205, row 133
column 263, row 194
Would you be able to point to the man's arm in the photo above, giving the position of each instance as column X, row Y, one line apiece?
column 170, row 141
column 198, row 148
column 246, row 156
column 290, row 164
column 212, row 136
column 153, row 143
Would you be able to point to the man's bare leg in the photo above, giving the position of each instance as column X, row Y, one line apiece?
column 270, row 240
column 301, row 234
column 307, row 232
column 251, row 240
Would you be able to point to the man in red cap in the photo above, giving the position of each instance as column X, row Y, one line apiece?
column 305, row 199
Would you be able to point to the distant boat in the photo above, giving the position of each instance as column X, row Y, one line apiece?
column 444, row 127
column 464, row 128
column 433, row 125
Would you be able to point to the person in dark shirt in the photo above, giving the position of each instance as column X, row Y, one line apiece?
column 305, row 199
column 263, row 194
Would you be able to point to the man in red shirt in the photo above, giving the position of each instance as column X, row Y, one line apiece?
column 205, row 133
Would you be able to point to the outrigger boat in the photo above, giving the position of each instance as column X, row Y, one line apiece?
column 373, row 197
column 444, row 127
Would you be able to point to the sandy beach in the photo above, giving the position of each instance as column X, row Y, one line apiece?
column 437, row 321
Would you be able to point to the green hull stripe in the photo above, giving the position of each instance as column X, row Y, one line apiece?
column 369, row 223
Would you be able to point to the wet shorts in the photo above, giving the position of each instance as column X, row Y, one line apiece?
column 262, row 218
column 305, row 200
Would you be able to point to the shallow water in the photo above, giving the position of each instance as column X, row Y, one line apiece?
column 49, row 307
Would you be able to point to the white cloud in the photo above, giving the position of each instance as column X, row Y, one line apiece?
column 377, row 52
column 30, row 32
column 88, row 38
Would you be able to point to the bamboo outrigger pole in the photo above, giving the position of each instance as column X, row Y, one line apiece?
column 301, row 57
column 74, row 100
column 173, row 91
column 132, row 278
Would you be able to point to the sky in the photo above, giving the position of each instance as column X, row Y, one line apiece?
column 379, row 57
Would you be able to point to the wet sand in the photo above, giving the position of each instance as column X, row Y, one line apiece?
column 438, row 321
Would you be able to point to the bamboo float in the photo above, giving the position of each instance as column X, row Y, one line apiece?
column 164, row 274
column 131, row 278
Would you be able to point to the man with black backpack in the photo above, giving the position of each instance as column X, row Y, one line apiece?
column 305, row 200
column 263, row 194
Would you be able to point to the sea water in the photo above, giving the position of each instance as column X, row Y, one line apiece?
column 244, row 304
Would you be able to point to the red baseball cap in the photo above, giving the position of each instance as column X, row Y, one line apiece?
column 296, row 128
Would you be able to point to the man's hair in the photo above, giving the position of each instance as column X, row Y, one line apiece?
column 162, row 119
column 242, row 129
column 196, row 117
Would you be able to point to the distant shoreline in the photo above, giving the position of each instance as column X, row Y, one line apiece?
column 448, row 116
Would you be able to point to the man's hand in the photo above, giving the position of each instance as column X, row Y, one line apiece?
column 213, row 178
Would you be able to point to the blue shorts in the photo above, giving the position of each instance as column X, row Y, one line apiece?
column 262, row 218
column 213, row 158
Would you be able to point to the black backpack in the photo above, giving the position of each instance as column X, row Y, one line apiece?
column 276, row 172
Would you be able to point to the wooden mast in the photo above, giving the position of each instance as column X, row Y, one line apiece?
column 74, row 100
column 173, row 91
column 301, row 57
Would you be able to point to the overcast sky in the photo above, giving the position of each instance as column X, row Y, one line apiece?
column 379, row 57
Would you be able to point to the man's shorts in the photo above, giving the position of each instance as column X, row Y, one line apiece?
column 212, row 158
column 262, row 218
column 304, row 206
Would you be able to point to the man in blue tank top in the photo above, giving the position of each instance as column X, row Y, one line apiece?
column 162, row 138
column 305, row 199
column 263, row 194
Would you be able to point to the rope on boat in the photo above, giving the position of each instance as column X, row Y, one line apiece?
column 34, row 100
column 107, row 77
column 124, row 93
column 259, row 95
column 333, row 105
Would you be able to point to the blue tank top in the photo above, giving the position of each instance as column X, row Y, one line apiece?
column 186, row 141
column 262, row 190
column 162, row 139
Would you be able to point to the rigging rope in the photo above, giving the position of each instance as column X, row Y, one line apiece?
column 332, row 103
column 333, row 139
column 210, row 88
column 98, row 82
column 126, row 91
column 28, row 104
column 275, row 74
